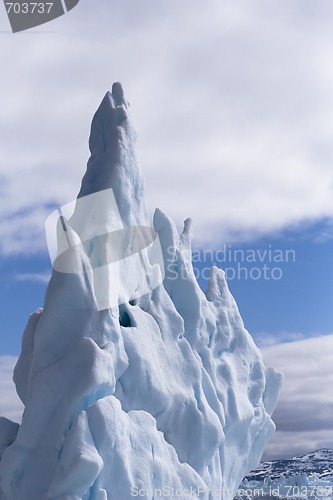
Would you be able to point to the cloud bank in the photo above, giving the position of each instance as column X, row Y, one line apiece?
column 233, row 112
column 304, row 415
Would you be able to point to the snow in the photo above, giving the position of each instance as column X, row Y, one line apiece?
column 306, row 476
column 164, row 391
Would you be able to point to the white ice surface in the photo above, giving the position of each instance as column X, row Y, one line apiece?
column 168, row 391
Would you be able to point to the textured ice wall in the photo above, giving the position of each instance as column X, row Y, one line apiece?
column 167, row 391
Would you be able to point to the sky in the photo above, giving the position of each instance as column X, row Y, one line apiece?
column 233, row 102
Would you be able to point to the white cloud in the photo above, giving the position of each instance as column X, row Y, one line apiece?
column 23, row 231
column 304, row 415
column 10, row 405
column 232, row 102
column 43, row 277
column 265, row 340
column 290, row 444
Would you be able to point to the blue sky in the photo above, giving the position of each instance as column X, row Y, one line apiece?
column 293, row 294
column 234, row 109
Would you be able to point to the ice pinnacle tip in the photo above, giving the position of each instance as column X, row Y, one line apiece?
column 118, row 93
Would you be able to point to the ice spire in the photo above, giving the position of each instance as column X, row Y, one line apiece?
column 113, row 162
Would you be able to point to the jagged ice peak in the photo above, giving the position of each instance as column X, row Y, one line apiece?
column 134, row 381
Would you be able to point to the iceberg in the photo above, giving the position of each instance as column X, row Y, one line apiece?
column 150, row 393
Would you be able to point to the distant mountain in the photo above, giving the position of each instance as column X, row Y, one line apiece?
column 306, row 476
